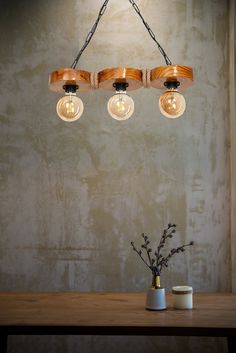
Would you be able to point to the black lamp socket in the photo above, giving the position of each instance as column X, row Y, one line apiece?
column 120, row 86
column 70, row 88
column 171, row 84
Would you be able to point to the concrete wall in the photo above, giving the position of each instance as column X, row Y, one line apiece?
column 232, row 101
column 73, row 196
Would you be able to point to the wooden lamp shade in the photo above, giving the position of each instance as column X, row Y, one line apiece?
column 68, row 76
column 182, row 74
column 107, row 77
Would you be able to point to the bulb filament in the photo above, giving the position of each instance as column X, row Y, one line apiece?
column 70, row 107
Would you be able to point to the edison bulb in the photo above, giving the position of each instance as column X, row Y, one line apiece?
column 70, row 107
column 120, row 106
column 172, row 104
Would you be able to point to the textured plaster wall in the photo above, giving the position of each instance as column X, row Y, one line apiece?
column 73, row 196
column 232, row 100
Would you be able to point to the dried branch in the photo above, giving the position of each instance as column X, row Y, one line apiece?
column 148, row 249
column 167, row 233
column 165, row 260
column 156, row 264
column 139, row 252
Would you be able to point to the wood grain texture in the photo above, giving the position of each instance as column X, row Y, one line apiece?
column 107, row 77
column 114, row 313
column 183, row 74
column 60, row 77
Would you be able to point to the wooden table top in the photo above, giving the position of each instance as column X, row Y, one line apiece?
column 117, row 313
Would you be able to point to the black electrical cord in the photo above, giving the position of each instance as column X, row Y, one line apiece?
column 94, row 27
column 152, row 35
column 90, row 34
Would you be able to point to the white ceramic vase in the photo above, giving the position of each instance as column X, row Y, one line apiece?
column 156, row 299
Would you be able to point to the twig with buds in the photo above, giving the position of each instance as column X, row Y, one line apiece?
column 156, row 264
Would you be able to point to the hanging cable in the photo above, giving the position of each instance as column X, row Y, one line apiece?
column 90, row 34
column 162, row 51
column 94, row 27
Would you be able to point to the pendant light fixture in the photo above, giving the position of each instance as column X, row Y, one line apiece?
column 172, row 78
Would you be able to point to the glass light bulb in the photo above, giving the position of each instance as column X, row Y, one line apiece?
column 120, row 106
column 172, row 104
column 70, row 107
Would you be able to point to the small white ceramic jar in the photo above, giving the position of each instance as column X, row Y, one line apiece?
column 183, row 297
column 156, row 299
